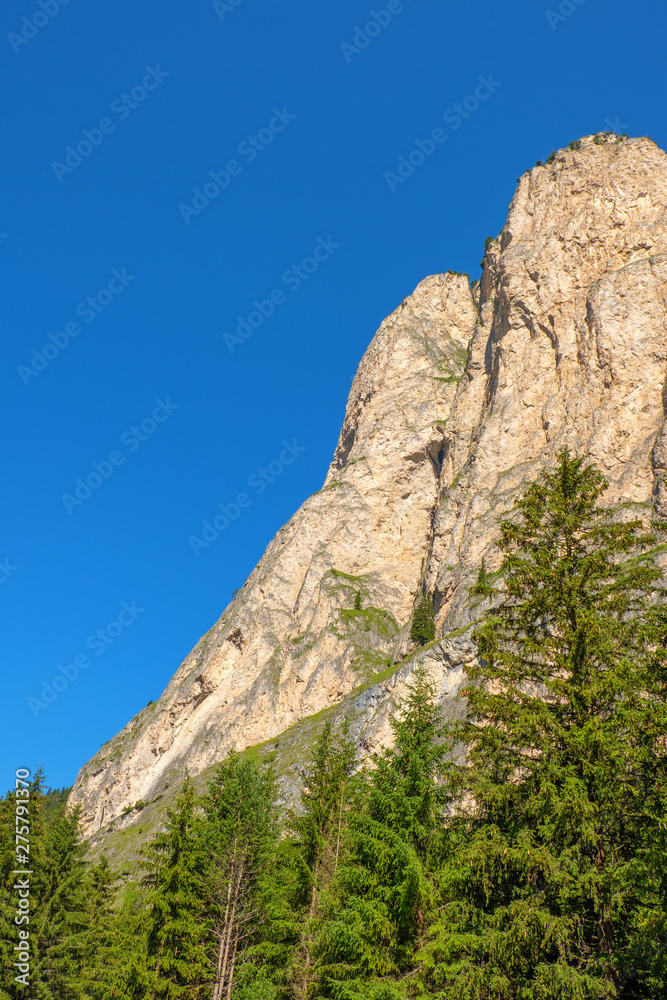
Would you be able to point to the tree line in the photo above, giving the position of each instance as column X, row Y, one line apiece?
column 518, row 854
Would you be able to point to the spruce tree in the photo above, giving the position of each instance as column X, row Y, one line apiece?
column 557, row 886
column 240, row 837
column 99, row 938
column 175, row 862
column 58, row 896
column 119, row 967
column 422, row 629
column 319, row 828
column 324, row 795
column 115, row 945
column 61, row 920
column 383, row 892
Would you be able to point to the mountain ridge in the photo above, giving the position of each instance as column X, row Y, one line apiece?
column 461, row 396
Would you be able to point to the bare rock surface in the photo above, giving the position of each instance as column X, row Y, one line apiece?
column 459, row 400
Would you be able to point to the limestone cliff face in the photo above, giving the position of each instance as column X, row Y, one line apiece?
column 458, row 401
column 292, row 642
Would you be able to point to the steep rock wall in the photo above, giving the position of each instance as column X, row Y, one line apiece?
column 458, row 401
column 292, row 641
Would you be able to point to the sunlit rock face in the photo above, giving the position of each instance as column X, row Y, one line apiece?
column 459, row 400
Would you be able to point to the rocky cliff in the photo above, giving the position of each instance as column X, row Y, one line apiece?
column 460, row 398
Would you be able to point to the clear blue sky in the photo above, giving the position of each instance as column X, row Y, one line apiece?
column 301, row 125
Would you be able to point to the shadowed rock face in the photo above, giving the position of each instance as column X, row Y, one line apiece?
column 459, row 400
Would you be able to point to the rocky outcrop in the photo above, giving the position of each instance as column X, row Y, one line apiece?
column 570, row 350
column 458, row 401
column 323, row 611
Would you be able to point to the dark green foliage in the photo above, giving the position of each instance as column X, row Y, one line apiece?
column 253, row 984
column 422, row 629
column 319, row 830
column 574, row 144
column 62, row 917
column 552, row 156
column 539, row 163
column 60, row 914
column 53, row 803
column 483, row 587
column 243, row 876
column 175, row 863
column 115, row 963
column 405, row 788
column 9, row 936
column 383, row 890
column 557, row 886
column 324, row 795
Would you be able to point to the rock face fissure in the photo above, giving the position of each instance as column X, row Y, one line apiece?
column 459, row 400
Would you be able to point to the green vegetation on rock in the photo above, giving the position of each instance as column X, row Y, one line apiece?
column 422, row 629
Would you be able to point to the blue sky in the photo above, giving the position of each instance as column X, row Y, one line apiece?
column 128, row 270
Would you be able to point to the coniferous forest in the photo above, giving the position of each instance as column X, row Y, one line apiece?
column 519, row 854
